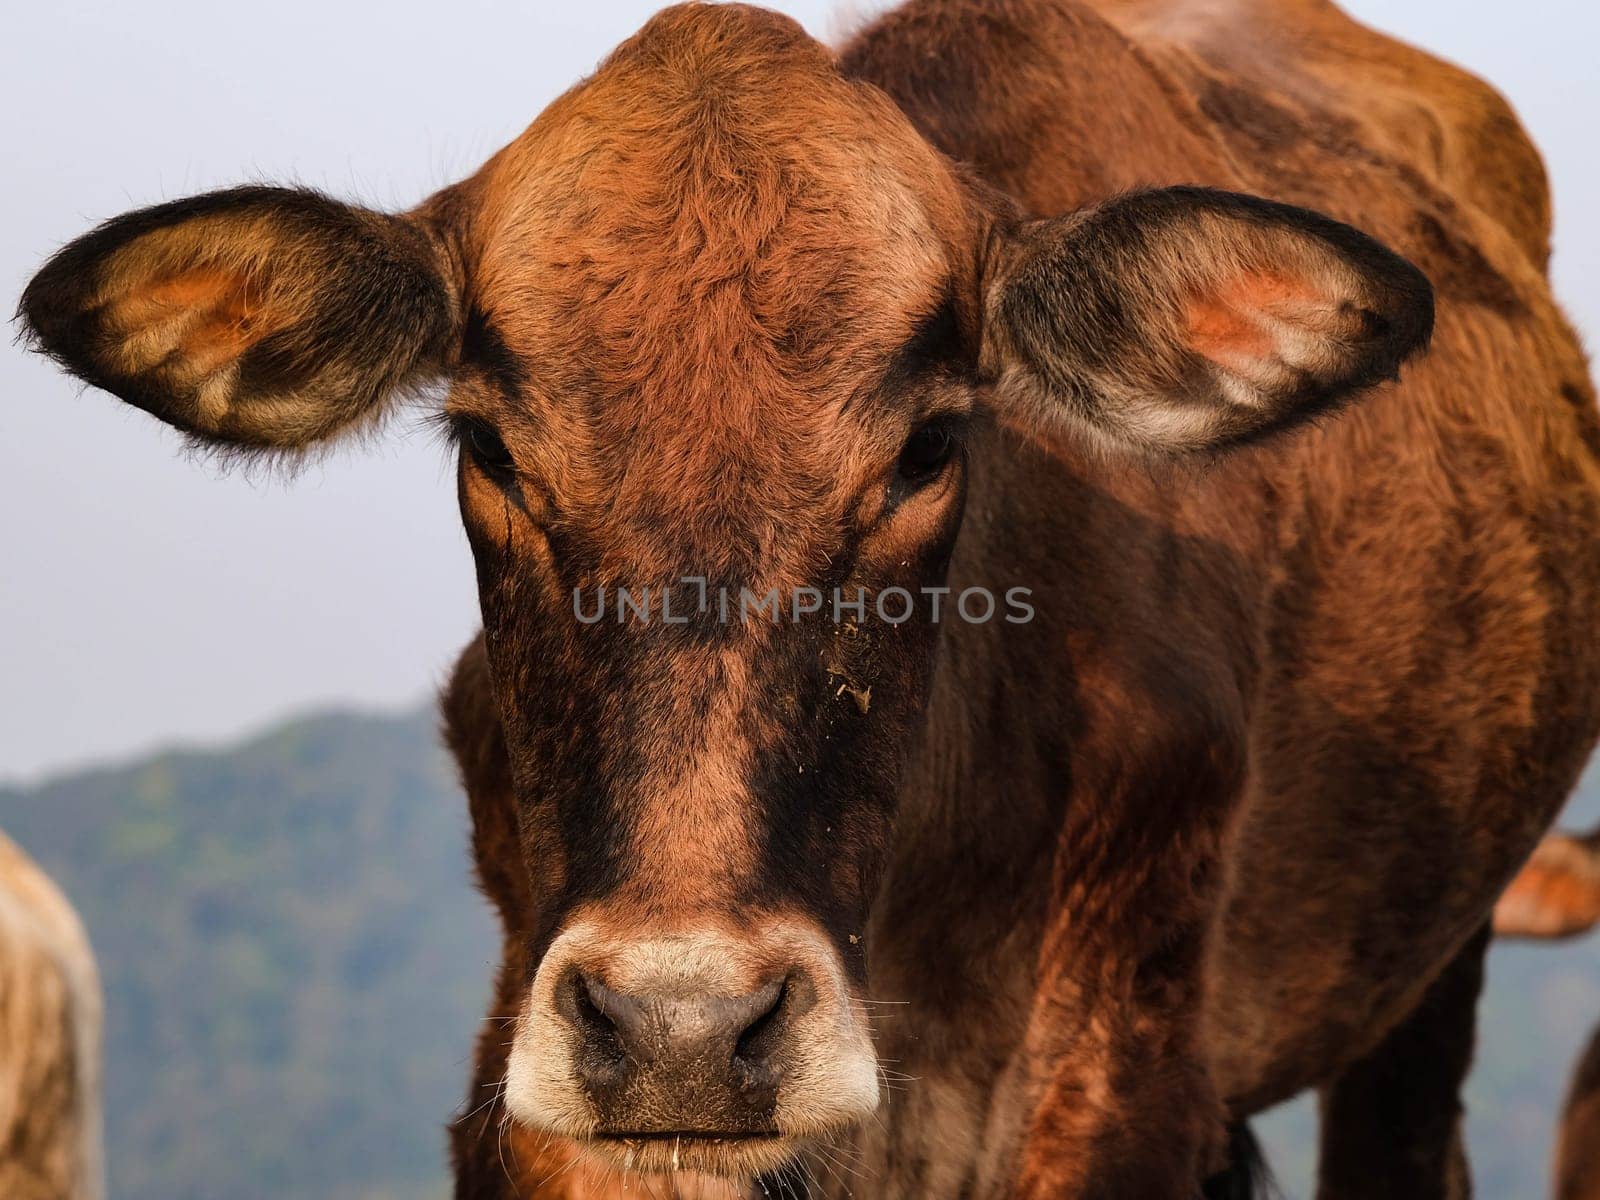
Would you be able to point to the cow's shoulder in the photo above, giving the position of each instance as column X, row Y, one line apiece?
column 1373, row 92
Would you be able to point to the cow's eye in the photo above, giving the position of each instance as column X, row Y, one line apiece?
column 487, row 447
column 926, row 452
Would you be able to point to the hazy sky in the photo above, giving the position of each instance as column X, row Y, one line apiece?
column 144, row 598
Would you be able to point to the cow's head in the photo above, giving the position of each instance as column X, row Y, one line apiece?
column 718, row 315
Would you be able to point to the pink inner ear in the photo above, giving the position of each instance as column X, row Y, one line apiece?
column 1233, row 326
column 207, row 315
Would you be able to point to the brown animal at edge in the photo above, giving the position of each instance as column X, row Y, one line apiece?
column 50, row 1018
column 1577, row 1169
column 977, row 302
column 1557, row 895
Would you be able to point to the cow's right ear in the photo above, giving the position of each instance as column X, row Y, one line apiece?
column 1186, row 319
column 268, row 318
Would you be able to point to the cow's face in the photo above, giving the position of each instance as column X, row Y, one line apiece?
column 716, row 329
column 717, row 375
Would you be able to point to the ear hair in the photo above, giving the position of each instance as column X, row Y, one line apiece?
column 257, row 318
column 1186, row 318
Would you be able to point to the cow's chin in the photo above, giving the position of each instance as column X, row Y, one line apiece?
column 737, row 1158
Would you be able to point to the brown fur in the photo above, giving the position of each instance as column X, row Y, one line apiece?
column 50, row 1014
column 1221, row 823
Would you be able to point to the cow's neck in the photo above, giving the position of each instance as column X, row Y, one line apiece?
column 1021, row 761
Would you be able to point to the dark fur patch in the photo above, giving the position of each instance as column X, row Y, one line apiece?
column 1391, row 1122
column 1581, row 397
column 483, row 346
column 1248, row 1177
column 938, row 344
column 1268, row 125
column 1459, row 269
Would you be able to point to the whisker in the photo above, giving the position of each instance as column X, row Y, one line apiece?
column 841, row 1156
column 500, row 1146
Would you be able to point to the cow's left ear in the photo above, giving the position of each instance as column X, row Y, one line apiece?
column 1188, row 319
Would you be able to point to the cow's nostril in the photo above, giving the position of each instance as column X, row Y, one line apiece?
column 591, row 1017
column 604, row 1045
column 755, row 1045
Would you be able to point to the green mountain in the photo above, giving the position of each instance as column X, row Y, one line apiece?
column 296, row 965
column 294, row 959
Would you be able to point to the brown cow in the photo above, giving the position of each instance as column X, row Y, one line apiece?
column 1577, row 1174
column 1557, row 895
column 1210, row 809
column 50, row 1015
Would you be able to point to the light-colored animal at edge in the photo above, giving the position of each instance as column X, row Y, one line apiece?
column 50, row 1028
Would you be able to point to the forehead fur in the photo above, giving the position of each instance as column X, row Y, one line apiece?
column 705, row 249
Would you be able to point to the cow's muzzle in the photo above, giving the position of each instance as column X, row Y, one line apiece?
column 701, row 1049
column 668, row 1062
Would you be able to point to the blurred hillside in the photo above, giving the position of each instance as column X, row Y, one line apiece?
column 296, row 965
column 295, row 962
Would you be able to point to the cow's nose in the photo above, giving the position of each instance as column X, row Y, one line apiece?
column 657, row 1062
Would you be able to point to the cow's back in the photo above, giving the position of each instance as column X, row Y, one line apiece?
column 50, row 1016
column 1365, row 89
